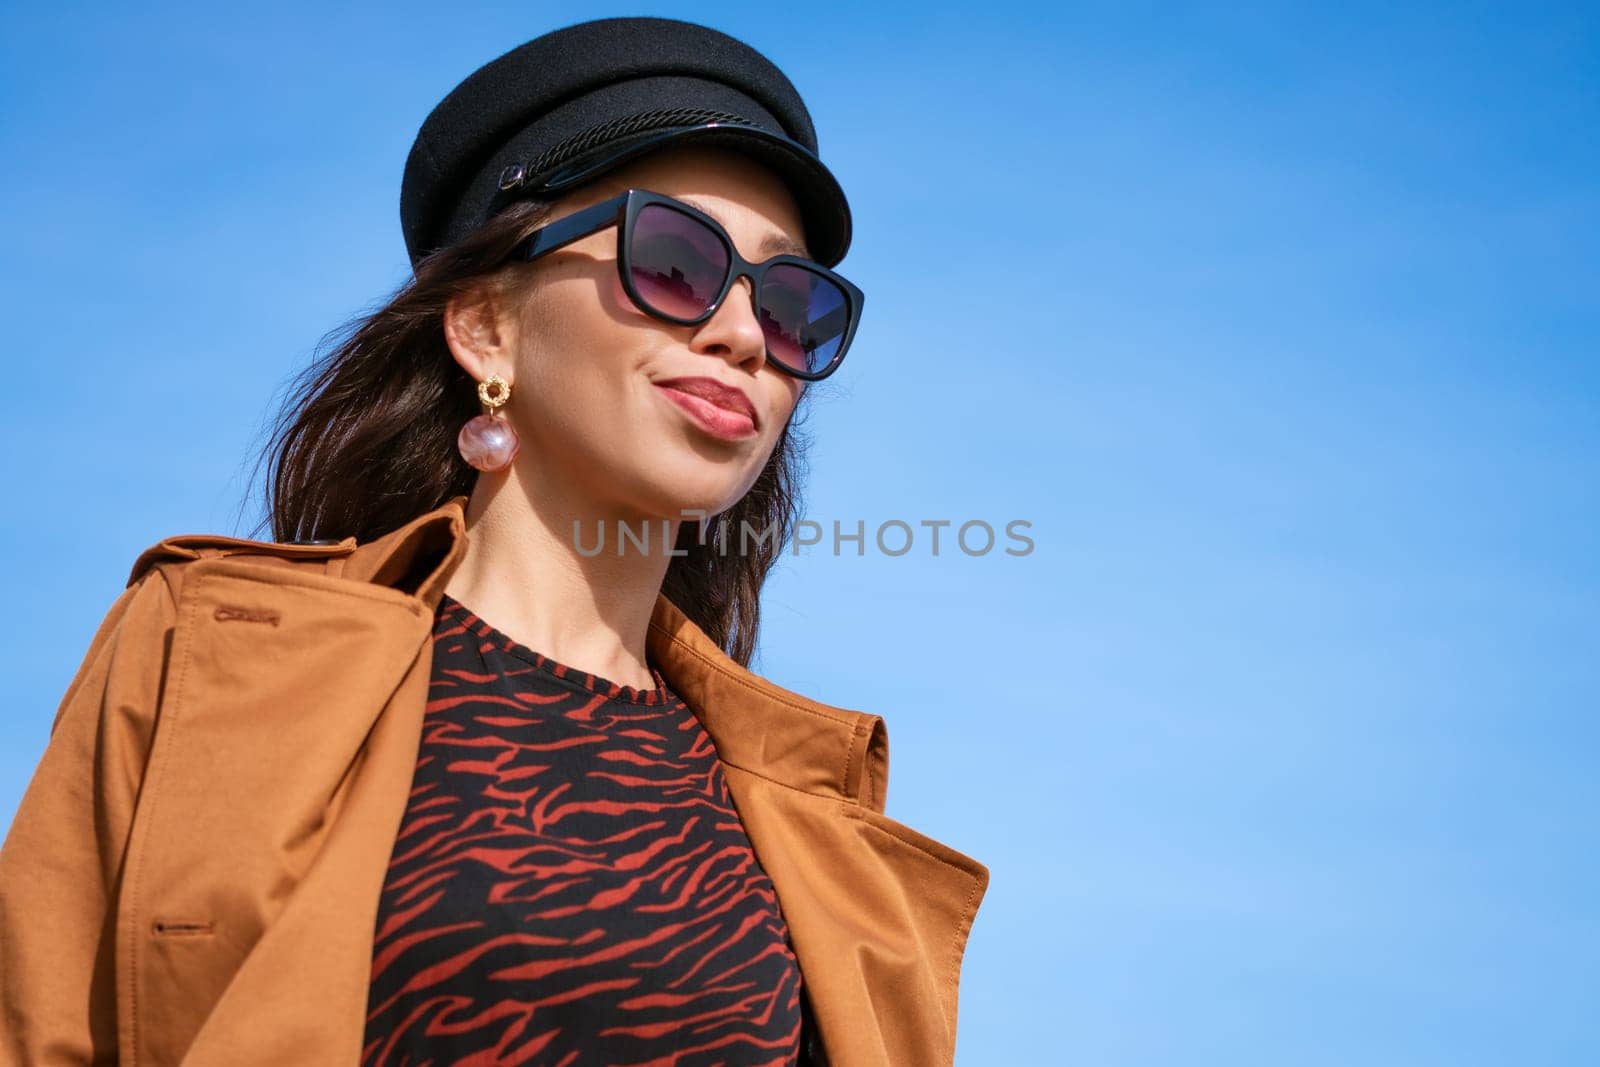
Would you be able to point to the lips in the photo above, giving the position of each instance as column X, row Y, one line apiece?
column 714, row 392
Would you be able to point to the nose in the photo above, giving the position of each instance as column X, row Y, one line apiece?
column 733, row 332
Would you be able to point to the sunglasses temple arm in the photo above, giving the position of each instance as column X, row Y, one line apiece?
column 575, row 226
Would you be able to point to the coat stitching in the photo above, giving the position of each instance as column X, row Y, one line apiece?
column 872, row 782
column 849, row 758
column 232, row 612
column 958, row 945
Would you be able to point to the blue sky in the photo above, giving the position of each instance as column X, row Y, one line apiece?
column 1278, row 323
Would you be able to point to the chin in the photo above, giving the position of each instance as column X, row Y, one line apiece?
column 695, row 485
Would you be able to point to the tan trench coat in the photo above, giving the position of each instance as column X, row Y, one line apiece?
column 194, row 871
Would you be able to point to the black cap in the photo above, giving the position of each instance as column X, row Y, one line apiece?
column 553, row 113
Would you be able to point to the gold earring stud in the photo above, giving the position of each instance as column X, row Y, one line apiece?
column 494, row 391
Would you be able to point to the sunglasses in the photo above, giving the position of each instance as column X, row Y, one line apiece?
column 678, row 263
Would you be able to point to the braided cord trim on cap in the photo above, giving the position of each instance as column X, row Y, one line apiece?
column 517, row 173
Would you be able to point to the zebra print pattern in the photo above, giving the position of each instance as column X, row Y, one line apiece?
column 570, row 883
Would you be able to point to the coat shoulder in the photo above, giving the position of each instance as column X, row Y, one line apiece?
column 183, row 548
column 416, row 557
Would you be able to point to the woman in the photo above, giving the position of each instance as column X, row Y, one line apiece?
column 469, row 767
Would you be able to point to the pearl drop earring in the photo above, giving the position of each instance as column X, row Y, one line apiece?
column 486, row 442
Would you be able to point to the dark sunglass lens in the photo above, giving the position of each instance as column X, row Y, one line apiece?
column 804, row 316
column 677, row 263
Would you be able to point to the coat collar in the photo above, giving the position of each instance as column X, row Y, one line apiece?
column 758, row 725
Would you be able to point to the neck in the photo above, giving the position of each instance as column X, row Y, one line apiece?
column 529, row 575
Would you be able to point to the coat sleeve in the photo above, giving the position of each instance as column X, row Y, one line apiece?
column 62, row 857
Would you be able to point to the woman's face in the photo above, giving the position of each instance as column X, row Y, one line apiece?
column 601, row 425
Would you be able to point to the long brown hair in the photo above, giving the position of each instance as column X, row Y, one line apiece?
column 366, row 440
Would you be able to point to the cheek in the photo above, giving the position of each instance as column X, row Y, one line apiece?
column 618, row 300
column 615, row 294
column 574, row 322
column 568, row 358
column 783, row 393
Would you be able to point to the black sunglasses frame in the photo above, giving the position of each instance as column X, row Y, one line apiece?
column 622, row 211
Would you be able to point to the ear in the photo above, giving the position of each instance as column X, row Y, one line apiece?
column 480, row 333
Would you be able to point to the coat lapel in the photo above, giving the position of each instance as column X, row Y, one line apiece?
column 878, row 913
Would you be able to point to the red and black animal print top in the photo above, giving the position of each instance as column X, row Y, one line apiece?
column 571, row 883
